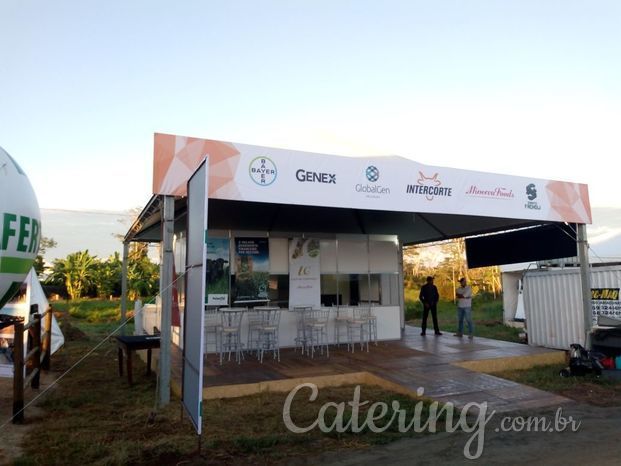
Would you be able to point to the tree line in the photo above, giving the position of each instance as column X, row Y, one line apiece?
column 81, row 274
column 447, row 264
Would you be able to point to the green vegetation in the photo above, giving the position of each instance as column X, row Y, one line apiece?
column 221, row 285
column 95, row 417
column 251, row 285
column 81, row 274
column 599, row 391
column 486, row 314
column 91, row 310
column 447, row 263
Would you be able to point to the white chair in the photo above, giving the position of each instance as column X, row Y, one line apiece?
column 302, row 318
column 372, row 325
column 358, row 328
column 268, row 334
column 343, row 315
column 255, row 322
column 316, row 325
column 211, row 327
column 230, row 333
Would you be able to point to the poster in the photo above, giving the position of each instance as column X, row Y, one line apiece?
column 605, row 302
column 304, row 273
column 252, row 267
column 217, row 271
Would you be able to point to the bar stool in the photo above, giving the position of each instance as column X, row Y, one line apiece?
column 255, row 322
column 268, row 334
column 373, row 325
column 317, row 330
column 230, row 333
column 302, row 318
column 211, row 326
column 358, row 329
column 343, row 315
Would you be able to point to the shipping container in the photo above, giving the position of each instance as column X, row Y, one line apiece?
column 553, row 303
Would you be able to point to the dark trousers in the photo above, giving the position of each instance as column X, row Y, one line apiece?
column 434, row 316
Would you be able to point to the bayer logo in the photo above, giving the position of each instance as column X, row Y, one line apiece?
column 263, row 171
column 372, row 173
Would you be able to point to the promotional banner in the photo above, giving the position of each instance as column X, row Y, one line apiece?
column 252, row 269
column 217, row 271
column 304, row 273
column 605, row 302
column 243, row 172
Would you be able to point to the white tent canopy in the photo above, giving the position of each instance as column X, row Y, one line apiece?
column 35, row 295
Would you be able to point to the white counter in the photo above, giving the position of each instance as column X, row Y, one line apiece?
column 388, row 326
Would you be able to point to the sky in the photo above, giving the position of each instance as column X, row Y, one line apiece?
column 529, row 88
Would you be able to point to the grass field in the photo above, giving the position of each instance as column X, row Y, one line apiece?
column 94, row 417
column 486, row 314
column 598, row 391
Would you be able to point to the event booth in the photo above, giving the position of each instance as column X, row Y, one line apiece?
column 256, row 226
column 288, row 228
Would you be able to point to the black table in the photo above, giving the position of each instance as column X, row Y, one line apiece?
column 129, row 344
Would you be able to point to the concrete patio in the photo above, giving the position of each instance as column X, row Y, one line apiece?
column 446, row 367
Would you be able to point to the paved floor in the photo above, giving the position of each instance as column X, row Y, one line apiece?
column 596, row 441
column 414, row 362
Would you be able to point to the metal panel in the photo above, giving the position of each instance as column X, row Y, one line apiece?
column 553, row 304
column 194, row 315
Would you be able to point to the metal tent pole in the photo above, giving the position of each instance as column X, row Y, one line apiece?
column 166, row 280
column 585, row 279
column 400, row 285
column 124, row 285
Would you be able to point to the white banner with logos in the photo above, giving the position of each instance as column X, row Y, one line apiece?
column 304, row 273
column 243, row 172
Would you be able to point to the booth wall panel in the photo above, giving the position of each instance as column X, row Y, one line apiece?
column 279, row 256
column 327, row 256
column 353, row 256
column 383, row 257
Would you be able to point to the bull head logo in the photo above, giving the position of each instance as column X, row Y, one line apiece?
column 428, row 181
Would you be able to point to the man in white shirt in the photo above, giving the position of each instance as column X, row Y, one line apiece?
column 464, row 308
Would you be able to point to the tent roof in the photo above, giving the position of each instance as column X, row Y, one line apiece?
column 282, row 191
column 412, row 228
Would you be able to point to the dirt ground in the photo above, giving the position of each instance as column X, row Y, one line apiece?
column 12, row 434
column 595, row 442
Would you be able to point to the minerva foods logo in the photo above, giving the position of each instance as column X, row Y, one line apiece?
column 498, row 192
column 531, row 194
column 372, row 174
column 263, row 171
column 429, row 186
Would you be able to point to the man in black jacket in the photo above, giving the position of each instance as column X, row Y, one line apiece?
column 429, row 296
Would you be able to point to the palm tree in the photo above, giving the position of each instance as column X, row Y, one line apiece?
column 142, row 275
column 107, row 276
column 76, row 272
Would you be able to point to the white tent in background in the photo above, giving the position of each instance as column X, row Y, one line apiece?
column 35, row 295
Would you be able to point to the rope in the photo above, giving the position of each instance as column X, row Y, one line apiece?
column 97, row 346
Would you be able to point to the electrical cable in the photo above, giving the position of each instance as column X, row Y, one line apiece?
column 97, row 346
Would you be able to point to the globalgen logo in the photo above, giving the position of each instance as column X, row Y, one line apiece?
column 429, row 186
column 263, row 171
column 372, row 173
column 373, row 190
